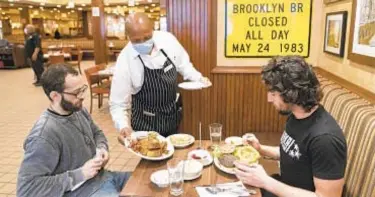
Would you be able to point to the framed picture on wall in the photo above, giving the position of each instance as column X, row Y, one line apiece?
column 362, row 33
column 335, row 31
column 330, row 1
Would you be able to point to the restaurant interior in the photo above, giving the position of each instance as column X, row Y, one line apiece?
column 337, row 37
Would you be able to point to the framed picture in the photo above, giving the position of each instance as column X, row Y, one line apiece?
column 335, row 31
column 330, row 1
column 362, row 33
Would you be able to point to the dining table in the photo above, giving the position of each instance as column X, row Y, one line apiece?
column 140, row 185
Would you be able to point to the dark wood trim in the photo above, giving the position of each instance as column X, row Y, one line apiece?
column 361, row 59
column 236, row 69
column 366, row 94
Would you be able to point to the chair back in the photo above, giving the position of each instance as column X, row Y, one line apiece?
column 54, row 59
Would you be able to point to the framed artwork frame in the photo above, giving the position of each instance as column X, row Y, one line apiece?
column 331, row 1
column 335, row 33
column 362, row 33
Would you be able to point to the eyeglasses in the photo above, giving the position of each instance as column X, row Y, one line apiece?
column 80, row 93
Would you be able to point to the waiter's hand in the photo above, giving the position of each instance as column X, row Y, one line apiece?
column 126, row 132
column 34, row 57
column 205, row 81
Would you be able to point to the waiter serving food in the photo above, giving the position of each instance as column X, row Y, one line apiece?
column 144, row 93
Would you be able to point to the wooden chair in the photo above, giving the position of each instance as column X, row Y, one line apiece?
column 97, row 88
column 54, row 59
column 67, row 50
column 79, row 59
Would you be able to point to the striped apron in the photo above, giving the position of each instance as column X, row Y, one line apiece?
column 154, row 107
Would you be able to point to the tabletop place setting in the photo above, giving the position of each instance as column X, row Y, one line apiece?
column 196, row 158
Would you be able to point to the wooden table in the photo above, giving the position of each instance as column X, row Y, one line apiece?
column 139, row 183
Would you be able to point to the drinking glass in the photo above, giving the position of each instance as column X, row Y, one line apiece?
column 176, row 176
column 215, row 135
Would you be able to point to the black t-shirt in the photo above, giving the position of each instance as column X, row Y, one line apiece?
column 312, row 147
column 32, row 42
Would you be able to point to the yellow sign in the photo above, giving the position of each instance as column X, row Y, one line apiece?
column 266, row 28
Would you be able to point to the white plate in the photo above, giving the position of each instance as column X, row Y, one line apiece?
column 160, row 178
column 223, row 168
column 191, row 140
column 193, row 177
column 137, row 134
column 192, row 85
column 235, row 140
column 205, row 162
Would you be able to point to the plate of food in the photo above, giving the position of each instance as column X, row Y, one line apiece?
column 229, row 153
column 235, row 140
column 181, row 140
column 149, row 145
column 203, row 156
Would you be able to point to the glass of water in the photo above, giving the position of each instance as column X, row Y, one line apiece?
column 215, row 135
column 176, row 176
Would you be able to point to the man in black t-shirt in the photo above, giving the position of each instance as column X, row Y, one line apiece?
column 312, row 149
column 33, row 49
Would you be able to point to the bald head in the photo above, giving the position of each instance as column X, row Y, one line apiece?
column 138, row 27
column 29, row 29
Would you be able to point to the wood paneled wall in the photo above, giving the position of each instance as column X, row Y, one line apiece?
column 238, row 101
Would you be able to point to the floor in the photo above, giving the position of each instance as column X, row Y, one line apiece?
column 21, row 105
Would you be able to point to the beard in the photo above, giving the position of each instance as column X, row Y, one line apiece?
column 69, row 106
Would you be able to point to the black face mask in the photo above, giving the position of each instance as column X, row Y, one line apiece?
column 68, row 106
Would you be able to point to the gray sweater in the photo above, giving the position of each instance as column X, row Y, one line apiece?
column 55, row 150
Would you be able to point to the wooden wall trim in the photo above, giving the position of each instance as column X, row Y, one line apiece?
column 366, row 94
column 236, row 69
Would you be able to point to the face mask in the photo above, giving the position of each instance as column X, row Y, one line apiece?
column 145, row 47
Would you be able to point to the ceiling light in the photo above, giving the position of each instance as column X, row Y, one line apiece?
column 79, row 8
column 153, row 5
column 131, row 2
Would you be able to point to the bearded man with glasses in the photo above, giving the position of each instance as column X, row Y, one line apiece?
column 66, row 151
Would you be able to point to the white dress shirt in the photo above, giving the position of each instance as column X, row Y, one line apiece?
column 129, row 73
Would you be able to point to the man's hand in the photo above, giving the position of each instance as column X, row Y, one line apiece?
column 91, row 168
column 253, row 175
column 126, row 132
column 34, row 57
column 102, row 154
column 252, row 140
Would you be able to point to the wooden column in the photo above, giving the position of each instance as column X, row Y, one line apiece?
column 85, row 23
column 25, row 17
column 98, row 32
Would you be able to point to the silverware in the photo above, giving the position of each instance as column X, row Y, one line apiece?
column 238, row 191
